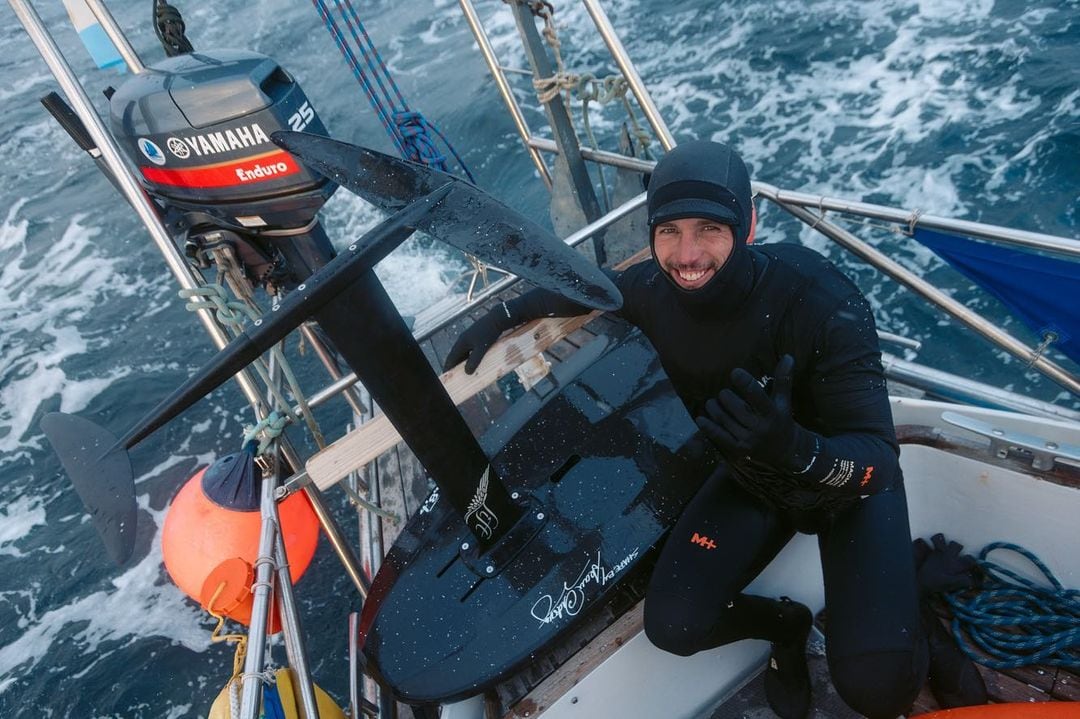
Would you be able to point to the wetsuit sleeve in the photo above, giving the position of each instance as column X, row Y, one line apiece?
column 854, row 450
column 537, row 303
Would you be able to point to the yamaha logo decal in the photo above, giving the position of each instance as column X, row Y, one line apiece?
column 151, row 151
column 218, row 142
column 177, row 147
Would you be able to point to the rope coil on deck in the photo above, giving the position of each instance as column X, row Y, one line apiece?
column 1016, row 621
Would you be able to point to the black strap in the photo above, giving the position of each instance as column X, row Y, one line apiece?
column 170, row 28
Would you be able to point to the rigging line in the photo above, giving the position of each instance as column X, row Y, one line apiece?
column 409, row 130
column 385, row 101
column 375, row 53
column 358, row 72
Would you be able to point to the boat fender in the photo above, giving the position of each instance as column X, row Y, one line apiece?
column 280, row 700
column 210, row 539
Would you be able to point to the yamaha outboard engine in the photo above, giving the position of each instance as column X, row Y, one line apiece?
column 198, row 128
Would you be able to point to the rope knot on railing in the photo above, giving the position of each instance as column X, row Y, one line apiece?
column 214, row 298
column 266, row 430
column 548, row 88
column 419, row 145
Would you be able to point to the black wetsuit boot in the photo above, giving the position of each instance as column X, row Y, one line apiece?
column 954, row 679
column 787, row 678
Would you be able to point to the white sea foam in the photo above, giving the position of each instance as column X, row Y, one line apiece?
column 415, row 276
column 55, row 292
column 20, row 86
column 138, row 604
column 17, row 518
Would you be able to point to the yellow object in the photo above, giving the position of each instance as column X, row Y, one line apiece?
column 287, row 693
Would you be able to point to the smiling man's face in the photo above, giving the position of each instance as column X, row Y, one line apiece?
column 692, row 250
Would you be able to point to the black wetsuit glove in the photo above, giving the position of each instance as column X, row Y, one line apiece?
column 477, row 339
column 745, row 421
column 942, row 567
column 474, row 342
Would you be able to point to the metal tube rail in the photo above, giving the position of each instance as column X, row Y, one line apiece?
column 618, row 52
column 967, row 391
column 495, row 69
column 354, row 666
column 116, row 36
column 923, row 288
column 1022, row 238
column 1004, row 235
column 601, row 156
column 251, row 681
column 292, row 629
column 331, row 366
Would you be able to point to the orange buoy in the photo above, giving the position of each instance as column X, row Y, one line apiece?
column 1018, row 710
column 210, row 540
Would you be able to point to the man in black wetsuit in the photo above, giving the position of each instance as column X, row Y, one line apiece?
column 775, row 354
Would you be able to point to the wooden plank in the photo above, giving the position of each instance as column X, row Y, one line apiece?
column 561, row 350
column 414, row 479
column 602, row 324
column 1066, row 686
column 376, row 436
column 494, row 404
column 569, row 674
column 1004, row 688
column 392, row 494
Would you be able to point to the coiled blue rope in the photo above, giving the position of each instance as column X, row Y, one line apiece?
column 1016, row 621
column 408, row 129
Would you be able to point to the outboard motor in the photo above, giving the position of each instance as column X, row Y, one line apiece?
column 198, row 128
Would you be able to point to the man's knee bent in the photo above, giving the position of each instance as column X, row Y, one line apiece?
column 671, row 624
column 667, row 632
column 879, row 685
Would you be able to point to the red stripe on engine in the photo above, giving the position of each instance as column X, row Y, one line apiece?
column 226, row 174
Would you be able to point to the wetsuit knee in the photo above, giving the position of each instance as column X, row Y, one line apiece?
column 879, row 685
column 672, row 624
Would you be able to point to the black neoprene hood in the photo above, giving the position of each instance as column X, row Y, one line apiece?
column 702, row 178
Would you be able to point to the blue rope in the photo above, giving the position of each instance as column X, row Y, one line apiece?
column 408, row 130
column 1016, row 621
column 358, row 71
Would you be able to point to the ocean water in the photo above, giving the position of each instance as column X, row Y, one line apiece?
column 962, row 108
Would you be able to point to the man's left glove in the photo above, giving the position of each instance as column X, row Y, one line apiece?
column 477, row 339
column 745, row 421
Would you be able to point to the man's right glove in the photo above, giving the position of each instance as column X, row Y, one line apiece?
column 942, row 567
column 477, row 339
column 745, row 421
